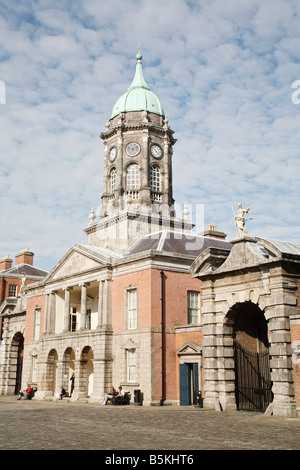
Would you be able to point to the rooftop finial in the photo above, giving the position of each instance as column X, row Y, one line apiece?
column 139, row 55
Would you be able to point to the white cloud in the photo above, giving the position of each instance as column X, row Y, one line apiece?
column 223, row 72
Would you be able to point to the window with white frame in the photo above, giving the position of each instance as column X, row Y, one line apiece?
column 132, row 308
column 133, row 176
column 88, row 319
column 193, row 307
column 12, row 290
column 37, row 324
column 73, row 322
column 154, row 178
column 113, row 179
column 131, row 365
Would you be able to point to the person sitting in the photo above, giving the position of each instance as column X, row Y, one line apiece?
column 118, row 398
column 27, row 394
column 109, row 396
column 62, row 393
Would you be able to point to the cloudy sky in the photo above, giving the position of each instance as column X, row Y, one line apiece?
column 224, row 73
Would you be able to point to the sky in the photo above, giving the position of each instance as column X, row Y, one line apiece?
column 227, row 74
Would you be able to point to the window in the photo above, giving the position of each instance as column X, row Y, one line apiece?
column 37, row 324
column 133, row 176
column 131, row 366
column 132, row 308
column 73, row 319
column 193, row 307
column 88, row 319
column 113, row 179
column 154, row 178
column 12, row 290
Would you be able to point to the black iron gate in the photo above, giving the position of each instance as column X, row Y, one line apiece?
column 252, row 379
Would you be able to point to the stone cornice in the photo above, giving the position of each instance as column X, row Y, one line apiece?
column 127, row 126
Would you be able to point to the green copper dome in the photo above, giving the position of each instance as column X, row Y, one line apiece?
column 138, row 96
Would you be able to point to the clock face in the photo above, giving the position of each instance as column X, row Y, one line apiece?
column 112, row 154
column 156, row 151
column 132, row 149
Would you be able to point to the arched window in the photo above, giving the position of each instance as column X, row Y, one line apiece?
column 133, row 176
column 113, row 179
column 154, row 178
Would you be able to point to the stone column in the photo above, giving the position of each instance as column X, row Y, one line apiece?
column 83, row 306
column 104, row 303
column 100, row 299
column 225, row 364
column 67, row 310
column 4, row 365
column 80, row 391
column 45, row 315
column 209, row 349
column 51, row 311
column 280, row 306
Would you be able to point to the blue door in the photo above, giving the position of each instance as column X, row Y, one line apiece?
column 184, row 384
column 188, row 380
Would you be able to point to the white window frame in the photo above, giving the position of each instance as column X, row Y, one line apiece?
column 131, row 365
column 113, row 179
column 73, row 313
column 12, row 290
column 155, row 178
column 132, row 308
column 133, row 176
column 193, row 300
column 37, row 323
column 88, row 319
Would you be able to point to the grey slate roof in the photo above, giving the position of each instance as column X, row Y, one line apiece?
column 19, row 269
column 177, row 242
column 285, row 247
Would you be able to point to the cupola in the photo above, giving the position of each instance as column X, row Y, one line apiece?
column 138, row 96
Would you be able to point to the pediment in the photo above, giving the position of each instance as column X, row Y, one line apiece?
column 78, row 259
column 189, row 348
column 245, row 252
column 208, row 261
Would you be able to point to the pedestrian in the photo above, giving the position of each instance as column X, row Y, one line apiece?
column 72, row 378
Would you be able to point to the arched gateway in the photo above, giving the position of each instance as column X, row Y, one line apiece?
column 253, row 386
column 249, row 307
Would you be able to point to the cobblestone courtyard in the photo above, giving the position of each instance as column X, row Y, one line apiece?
column 43, row 425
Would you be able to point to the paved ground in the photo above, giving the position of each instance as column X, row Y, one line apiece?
column 63, row 425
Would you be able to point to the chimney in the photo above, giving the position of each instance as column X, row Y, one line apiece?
column 213, row 233
column 25, row 256
column 5, row 263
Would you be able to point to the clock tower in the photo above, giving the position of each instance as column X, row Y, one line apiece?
column 138, row 149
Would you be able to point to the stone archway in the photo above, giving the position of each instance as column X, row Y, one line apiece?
column 68, row 367
column 86, row 371
column 51, row 373
column 249, row 325
column 257, row 271
column 16, row 363
column 253, row 387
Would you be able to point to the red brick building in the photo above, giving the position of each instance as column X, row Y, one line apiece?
column 14, row 279
column 150, row 305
